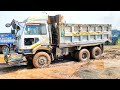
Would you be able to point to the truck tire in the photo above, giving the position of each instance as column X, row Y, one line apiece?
column 84, row 55
column 41, row 60
column 107, row 43
column 96, row 53
column 5, row 48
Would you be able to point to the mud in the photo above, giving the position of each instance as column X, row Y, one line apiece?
column 107, row 67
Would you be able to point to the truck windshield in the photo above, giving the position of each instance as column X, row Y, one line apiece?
column 36, row 30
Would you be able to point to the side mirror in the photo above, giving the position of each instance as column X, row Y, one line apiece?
column 12, row 31
column 8, row 25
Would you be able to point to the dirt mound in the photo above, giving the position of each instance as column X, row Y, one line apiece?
column 90, row 70
column 111, row 73
column 99, row 70
column 111, row 52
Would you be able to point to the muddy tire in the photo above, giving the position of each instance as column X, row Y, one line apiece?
column 5, row 48
column 84, row 55
column 96, row 53
column 41, row 60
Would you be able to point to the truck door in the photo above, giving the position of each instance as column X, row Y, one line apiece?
column 36, row 34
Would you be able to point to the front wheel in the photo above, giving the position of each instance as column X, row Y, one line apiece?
column 41, row 60
column 5, row 49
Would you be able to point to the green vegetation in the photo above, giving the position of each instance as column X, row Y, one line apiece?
column 118, row 42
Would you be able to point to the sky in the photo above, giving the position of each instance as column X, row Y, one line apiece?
column 77, row 17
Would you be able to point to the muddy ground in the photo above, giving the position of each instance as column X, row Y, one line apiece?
column 107, row 67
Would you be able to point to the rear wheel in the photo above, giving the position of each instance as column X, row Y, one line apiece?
column 107, row 43
column 41, row 60
column 96, row 53
column 84, row 55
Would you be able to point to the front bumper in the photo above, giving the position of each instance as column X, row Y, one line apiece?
column 15, row 59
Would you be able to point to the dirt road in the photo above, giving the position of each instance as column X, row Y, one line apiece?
column 108, row 67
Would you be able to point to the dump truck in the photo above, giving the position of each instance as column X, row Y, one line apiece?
column 43, row 39
column 6, row 41
column 115, row 36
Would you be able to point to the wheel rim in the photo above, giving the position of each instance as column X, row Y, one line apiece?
column 97, row 53
column 5, row 50
column 42, row 61
column 84, row 56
